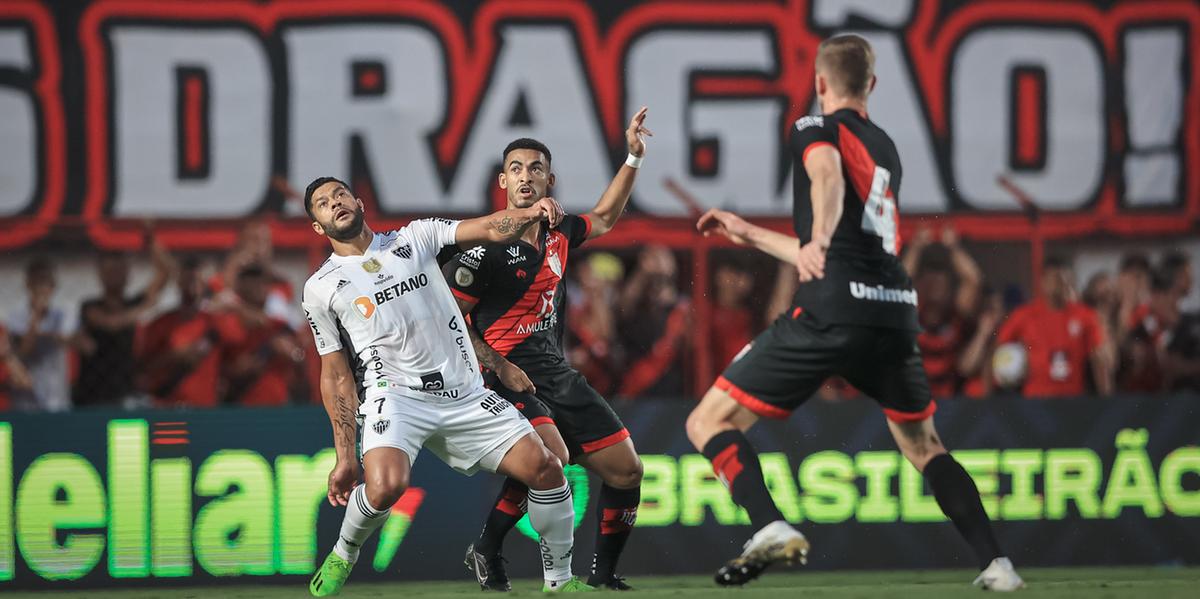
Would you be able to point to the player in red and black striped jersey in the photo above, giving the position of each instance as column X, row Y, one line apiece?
column 854, row 316
column 515, row 295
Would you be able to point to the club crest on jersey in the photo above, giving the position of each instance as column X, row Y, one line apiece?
column 381, row 426
column 404, row 251
column 555, row 265
column 463, row 276
column 364, row 307
column 372, row 266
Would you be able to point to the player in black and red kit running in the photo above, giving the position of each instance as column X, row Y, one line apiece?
column 854, row 315
column 515, row 294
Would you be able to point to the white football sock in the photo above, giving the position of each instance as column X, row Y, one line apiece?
column 360, row 521
column 552, row 515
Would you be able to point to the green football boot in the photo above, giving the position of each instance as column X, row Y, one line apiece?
column 328, row 581
column 574, row 585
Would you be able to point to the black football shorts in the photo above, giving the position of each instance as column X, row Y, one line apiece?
column 788, row 362
column 565, row 399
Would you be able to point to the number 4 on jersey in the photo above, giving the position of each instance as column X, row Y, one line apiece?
column 879, row 213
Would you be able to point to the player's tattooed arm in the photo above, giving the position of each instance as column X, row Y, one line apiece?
column 340, row 397
column 507, row 225
column 510, row 374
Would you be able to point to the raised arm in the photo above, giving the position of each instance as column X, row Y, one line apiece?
column 970, row 277
column 604, row 216
column 506, row 225
column 340, row 396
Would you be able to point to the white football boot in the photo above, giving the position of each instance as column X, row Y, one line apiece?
column 999, row 576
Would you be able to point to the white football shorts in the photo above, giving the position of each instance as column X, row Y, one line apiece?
column 471, row 433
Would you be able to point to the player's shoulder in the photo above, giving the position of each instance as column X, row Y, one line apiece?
column 809, row 121
column 324, row 279
column 475, row 256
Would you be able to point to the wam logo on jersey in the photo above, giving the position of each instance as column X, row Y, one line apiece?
column 364, row 307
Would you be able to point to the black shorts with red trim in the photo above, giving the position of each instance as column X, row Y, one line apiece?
column 790, row 360
column 564, row 398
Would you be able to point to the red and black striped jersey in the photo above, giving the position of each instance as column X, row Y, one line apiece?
column 864, row 282
column 519, row 292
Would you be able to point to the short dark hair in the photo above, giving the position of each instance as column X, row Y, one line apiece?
column 848, row 62
column 1135, row 261
column 1172, row 263
column 312, row 188
column 39, row 267
column 251, row 271
column 525, row 143
column 1056, row 262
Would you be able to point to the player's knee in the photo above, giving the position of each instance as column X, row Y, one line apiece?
column 628, row 475
column 385, row 488
column 700, row 428
column 549, row 472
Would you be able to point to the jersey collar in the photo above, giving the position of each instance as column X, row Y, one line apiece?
column 376, row 239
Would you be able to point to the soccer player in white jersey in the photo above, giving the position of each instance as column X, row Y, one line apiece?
column 381, row 298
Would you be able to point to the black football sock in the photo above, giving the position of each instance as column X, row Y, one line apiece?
column 736, row 464
column 958, row 497
column 617, row 510
column 509, row 507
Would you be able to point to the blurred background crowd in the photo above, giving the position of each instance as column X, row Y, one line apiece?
column 206, row 330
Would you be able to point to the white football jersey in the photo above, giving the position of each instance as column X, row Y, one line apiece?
column 392, row 309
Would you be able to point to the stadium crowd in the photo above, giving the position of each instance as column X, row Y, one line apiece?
column 235, row 337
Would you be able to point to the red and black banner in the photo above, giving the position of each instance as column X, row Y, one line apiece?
column 199, row 114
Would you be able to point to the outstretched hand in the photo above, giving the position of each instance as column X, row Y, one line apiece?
column 732, row 226
column 636, row 133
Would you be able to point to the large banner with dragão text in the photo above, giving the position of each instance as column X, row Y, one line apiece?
column 107, row 498
column 206, row 112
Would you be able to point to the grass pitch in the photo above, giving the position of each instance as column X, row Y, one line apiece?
column 1090, row 583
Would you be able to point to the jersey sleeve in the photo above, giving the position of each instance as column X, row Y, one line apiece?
column 430, row 235
column 467, row 275
column 322, row 320
column 808, row 133
column 576, row 228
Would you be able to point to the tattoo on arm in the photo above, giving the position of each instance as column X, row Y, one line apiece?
column 488, row 357
column 344, row 423
column 504, row 225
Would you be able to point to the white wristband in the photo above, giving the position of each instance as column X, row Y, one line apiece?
column 634, row 161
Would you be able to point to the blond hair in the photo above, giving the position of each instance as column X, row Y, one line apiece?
column 848, row 64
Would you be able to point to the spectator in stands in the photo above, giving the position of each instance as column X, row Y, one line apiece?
column 654, row 323
column 255, row 248
column 13, row 375
column 1132, row 291
column 592, row 328
column 259, row 353
column 1181, row 356
column 949, row 294
column 1061, row 336
column 974, row 362
column 108, row 328
column 41, row 337
column 733, row 322
column 1144, row 348
column 179, row 360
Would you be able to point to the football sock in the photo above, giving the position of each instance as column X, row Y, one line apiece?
column 617, row 509
column 552, row 515
column 360, row 521
column 510, row 506
column 958, row 497
column 736, row 464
